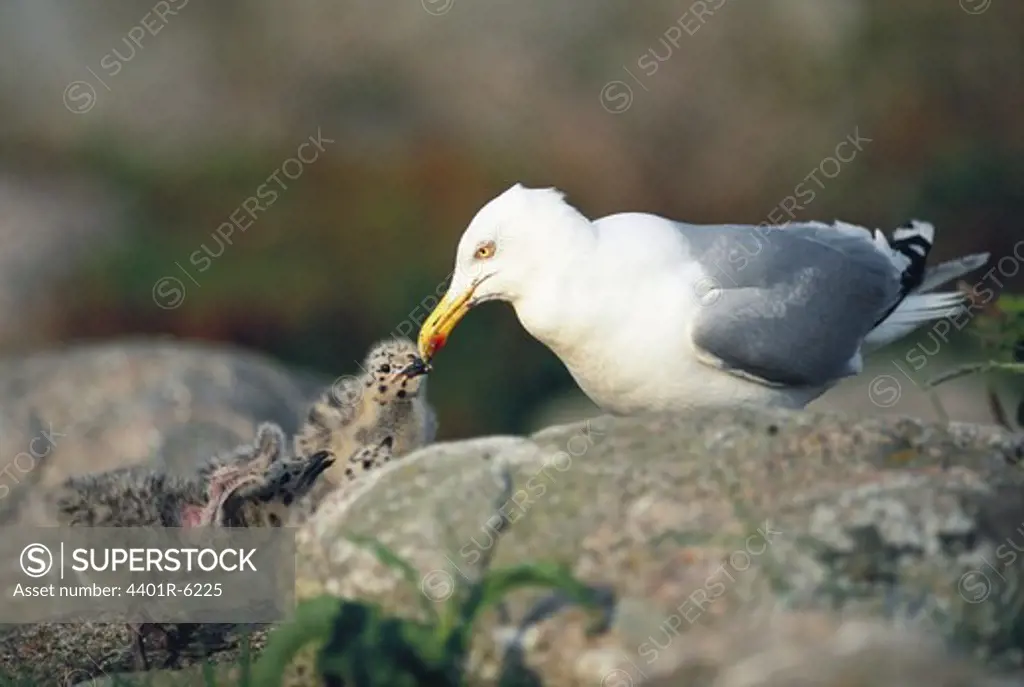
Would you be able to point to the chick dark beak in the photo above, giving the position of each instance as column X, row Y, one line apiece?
column 416, row 368
column 318, row 464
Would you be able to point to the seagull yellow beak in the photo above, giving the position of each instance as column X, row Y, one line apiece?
column 436, row 328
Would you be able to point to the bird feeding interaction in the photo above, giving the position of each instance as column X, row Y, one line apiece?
column 355, row 427
column 651, row 314
column 419, row 366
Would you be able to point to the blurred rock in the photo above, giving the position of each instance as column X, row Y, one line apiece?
column 698, row 523
column 848, row 539
column 820, row 650
column 785, row 649
column 94, row 407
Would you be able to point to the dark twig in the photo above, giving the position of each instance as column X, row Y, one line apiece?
column 974, row 368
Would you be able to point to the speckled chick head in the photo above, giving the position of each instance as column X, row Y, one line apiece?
column 372, row 417
column 262, row 489
column 383, row 363
column 268, row 445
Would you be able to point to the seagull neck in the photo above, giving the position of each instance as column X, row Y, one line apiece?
column 556, row 297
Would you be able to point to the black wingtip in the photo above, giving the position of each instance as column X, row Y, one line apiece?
column 915, row 249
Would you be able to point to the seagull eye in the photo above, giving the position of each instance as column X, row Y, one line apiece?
column 485, row 251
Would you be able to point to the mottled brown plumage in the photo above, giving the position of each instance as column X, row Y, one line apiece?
column 357, row 425
column 254, row 485
column 368, row 419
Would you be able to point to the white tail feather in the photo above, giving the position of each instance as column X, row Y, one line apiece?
column 921, row 306
column 936, row 276
column 914, row 311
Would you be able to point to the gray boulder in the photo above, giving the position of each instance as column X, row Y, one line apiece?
column 695, row 525
column 733, row 547
column 95, row 407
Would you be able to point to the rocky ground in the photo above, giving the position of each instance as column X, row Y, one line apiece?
column 695, row 524
column 734, row 547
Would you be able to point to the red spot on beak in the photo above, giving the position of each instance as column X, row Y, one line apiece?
column 437, row 342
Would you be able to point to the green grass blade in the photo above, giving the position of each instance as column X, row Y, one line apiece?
column 368, row 647
column 245, row 658
column 496, row 584
column 1011, row 305
column 389, row 558
column 209, row 677
column 314, row 619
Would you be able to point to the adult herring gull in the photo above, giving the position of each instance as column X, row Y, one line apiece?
column 650, row 314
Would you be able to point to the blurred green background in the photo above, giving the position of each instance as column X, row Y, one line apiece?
column 131, row 131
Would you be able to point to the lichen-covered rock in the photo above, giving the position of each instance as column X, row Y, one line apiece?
column 867, row 549
column 812, row 649
column 694, row 523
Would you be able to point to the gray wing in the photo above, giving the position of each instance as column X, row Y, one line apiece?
column 789, row 305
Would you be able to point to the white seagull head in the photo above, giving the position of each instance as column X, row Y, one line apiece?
column 510, row 245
